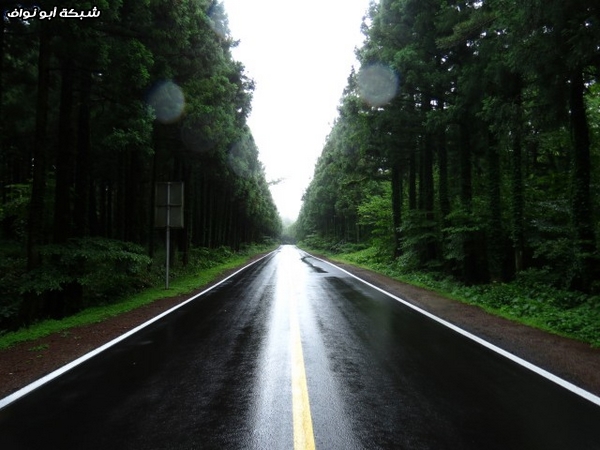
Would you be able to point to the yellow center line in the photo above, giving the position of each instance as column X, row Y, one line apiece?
column 303, row 429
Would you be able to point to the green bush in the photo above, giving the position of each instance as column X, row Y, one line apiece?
column 317, row 242
column 12, row 269
column 105, row 269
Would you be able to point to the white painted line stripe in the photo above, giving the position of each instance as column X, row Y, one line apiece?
column 544, row 373
column 36, row 384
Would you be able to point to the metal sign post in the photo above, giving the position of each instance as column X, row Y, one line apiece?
column 168, row 236
column 168, row 214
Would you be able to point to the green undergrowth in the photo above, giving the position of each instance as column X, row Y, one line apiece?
column 207, row 268
column 526, row 300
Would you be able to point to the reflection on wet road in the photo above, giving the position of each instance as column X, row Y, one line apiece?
column 295, row 353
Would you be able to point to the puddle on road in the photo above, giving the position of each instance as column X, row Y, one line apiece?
column 312, row 266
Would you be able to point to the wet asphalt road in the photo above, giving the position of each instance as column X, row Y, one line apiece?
column 225, row 372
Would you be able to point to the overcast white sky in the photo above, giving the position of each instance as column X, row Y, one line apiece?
column 300, row 54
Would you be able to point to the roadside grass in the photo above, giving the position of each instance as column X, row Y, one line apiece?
column 527, row 300
column 181, row 285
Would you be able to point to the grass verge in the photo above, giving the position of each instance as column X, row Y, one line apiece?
column 181, row 285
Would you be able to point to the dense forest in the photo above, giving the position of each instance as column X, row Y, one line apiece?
column 95, row 109
column 468, row 143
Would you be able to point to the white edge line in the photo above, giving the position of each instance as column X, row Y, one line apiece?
column 544, row 373
column 45, row 379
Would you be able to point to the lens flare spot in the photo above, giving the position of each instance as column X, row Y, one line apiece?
column 377, row 84
column 218, row 20
column 167, row 101
column 236, row 160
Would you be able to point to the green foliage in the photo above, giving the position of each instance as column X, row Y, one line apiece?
column 462, row 225
column 417, row 233
column 105, row 268
column 551, row 231
column 13, row 212
column 12, row 271
column 317, row 242
column 375, row 214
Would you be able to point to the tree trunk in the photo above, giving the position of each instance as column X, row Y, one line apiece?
column 132, row 199
column 103, row 210
column 152, row 212
column 412, row 181
column 211, row 216
column 443, row 191
column 187, row 214
column 69, row 300
column 397, row 207
column 429, row 250
column 117, row 199
column 466, row 191
column 31, row 306
column 65, row 157
column 470, row 244
column 495, row 235
column 582, row 214
column 518, row 221
column 205, row 211
column 82, row 176
column 93, row 221
column 2, row 25
column 35, row 223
